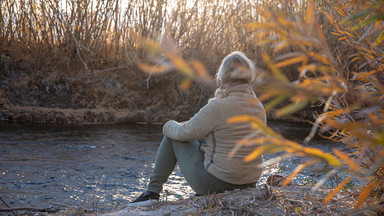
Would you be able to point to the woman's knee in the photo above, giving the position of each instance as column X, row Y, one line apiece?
column 166, row 140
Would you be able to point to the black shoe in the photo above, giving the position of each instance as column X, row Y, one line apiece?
column 147, row 196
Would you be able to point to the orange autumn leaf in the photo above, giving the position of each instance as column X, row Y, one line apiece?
column 262, row 149
column 352, row 164
column 201, row 71
column 297, row 170
column 185, row 84
column 337, row 189
column 292, row 61
column 365, row 193
column 153, row 68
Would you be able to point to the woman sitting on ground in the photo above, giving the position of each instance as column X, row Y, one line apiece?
column 202, row 145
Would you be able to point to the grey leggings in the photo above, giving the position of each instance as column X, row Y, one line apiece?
column 191, row 162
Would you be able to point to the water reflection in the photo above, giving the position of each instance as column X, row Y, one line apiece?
column 98, row 166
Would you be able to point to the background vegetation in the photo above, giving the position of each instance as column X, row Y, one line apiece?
column 84, row 54
column 82, row 36
column 323, row 54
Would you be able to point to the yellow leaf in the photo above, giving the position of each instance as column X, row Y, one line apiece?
column 275, row 70
column 291, row 61
column 268, row 95
column 340, row 11
column 322, row 37
column 332, row 20
column 365, row 193
column 254, row 121
column 256, row 153
column 364, row 75
column 323, row 156
column 283, row 21
column 262, row 149
column 320, row 57
column 356, row 58
column 153, row 68
column 293, row 144
column 310, row 19
column 261, row 35
column 255, row 26
column 280, row 46
column 352, row 164
column 148, row 44
column 179, row 63
column 335, row 33
column 240, row 118
column 271, row 104
column 185, row 84
column 297, row 170
column 343, row 38
column 379, row 39
column 337, row 189
column 292, row 108
column 201, row 71
column 243, row 142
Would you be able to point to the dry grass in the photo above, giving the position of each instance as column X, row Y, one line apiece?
column 83, row 54
column 85, row 36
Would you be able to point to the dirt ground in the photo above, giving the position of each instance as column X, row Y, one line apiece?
column 289, row 200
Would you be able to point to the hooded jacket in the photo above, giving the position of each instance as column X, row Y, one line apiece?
column 221, row 137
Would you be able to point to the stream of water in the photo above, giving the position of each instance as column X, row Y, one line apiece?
column 100, row 166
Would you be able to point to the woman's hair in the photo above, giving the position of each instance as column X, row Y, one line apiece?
column 236, row 68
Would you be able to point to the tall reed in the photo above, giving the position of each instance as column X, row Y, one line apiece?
column 88, row 35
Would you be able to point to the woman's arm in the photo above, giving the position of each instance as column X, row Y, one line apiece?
column 199, row 126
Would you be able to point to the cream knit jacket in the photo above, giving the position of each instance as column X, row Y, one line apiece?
column 211, row 123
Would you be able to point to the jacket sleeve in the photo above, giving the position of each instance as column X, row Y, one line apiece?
column 199, row 126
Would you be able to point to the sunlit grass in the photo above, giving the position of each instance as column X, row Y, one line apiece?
column 92, row 35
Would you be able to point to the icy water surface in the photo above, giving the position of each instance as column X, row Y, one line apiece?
column 99, row 166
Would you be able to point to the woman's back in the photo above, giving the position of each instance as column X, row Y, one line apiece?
column 223, row 138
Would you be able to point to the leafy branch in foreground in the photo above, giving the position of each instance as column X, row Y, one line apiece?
column 165, row 58
column 345, row 79
column 349, row 87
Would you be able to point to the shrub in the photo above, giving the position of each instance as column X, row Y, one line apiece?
column 347, row 81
